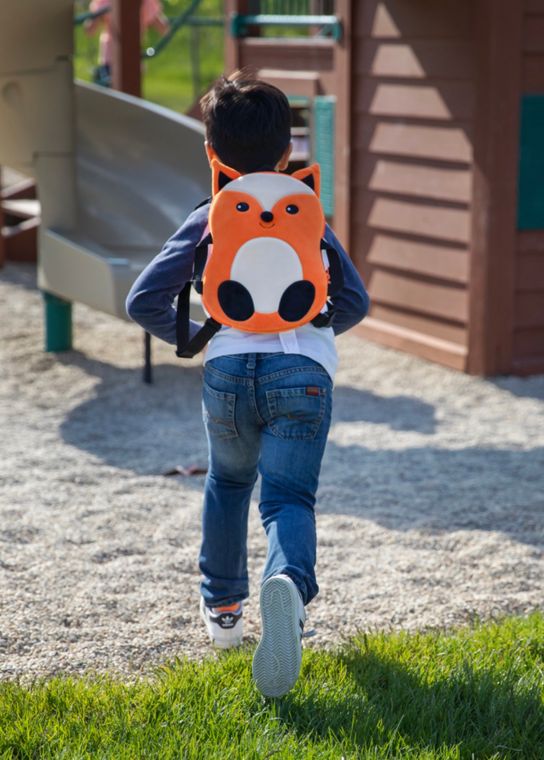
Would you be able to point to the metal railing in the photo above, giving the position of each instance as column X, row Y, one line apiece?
column 292, row 7
column 288, row 18
column 81, row 18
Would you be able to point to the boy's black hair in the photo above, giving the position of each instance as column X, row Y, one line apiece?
column 248, row 123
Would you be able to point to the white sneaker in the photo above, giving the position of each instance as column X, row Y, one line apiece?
column 278, row 656
column 225, row 624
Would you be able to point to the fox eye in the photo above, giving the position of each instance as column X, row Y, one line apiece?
column 291, row 209
column 242, row 206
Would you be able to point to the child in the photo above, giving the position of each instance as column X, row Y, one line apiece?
column 266, row 405
column 151, row 15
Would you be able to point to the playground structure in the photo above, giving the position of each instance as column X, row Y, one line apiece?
column 425, row 117
column 115, row 174
column 19, row 218
column 436, row 180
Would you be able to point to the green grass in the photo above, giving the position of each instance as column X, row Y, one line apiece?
column 168, row 78
column 473, row 693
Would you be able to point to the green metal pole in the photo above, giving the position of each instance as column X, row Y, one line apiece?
column 58, row 323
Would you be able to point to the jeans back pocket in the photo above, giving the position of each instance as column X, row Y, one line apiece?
column 296, row 412
column 218, row 409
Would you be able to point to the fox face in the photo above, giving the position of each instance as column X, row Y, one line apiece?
column 265, row 272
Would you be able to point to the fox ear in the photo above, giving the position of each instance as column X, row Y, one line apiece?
column 221, row 175
column 310, row 175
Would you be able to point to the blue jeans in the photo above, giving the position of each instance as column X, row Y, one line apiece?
column 267, row 413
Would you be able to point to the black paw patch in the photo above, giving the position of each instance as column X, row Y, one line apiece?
column 296, row 301
column 235, row 300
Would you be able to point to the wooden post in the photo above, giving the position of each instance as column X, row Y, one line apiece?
column 342, row 152
column 126, row 65
column 498, row 41
column 58, row 323
column 126, row 76
column 232, row 44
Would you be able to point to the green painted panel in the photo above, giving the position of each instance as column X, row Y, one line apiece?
column 531, row 164
column 323, row 147
column 58, row 323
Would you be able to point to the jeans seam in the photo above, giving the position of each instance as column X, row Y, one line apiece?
column 291, row 371
column 229, row 378
column 252, row 396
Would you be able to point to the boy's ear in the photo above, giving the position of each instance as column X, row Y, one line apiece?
column 310, row 175
column 221, row 175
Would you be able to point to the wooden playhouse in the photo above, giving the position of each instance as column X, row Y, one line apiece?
column 428, row 120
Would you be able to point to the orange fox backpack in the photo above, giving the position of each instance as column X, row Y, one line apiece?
column 264, row 266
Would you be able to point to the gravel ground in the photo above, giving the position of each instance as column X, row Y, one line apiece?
column 430, row 503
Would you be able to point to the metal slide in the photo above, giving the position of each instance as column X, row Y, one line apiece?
column 140, row 170
column 116, row 175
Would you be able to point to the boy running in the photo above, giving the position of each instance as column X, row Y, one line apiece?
column 267, row 402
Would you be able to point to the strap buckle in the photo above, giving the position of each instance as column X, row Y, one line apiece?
column 324, row 319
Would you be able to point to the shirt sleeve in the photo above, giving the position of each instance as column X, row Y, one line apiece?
column 150, row 301
column 352, row 302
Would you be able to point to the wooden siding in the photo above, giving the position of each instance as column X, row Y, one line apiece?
column 528, row 338
column 533, row 47
column 412, row 124
column 289, row 54
column 450, row 143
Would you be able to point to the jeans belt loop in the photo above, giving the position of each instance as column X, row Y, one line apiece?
column 251, row 361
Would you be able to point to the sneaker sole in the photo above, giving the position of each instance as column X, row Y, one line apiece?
column 276, row 664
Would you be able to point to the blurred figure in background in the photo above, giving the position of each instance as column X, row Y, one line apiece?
column 151, row 16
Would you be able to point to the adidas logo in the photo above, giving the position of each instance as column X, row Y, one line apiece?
column 227, row 621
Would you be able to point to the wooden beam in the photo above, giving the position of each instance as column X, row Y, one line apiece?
column 304, row 84
column 126, row 64
column 342, row 151
column 498, row 42
column 414, row 342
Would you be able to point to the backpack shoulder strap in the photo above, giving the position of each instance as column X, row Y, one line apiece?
column 201, row 257
column 203, row 203
column 336, row 273
column 186, row 348
column 336, row 283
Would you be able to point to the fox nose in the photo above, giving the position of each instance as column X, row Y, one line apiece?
column 267, row 216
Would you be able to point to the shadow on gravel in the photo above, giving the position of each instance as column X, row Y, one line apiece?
column 522, row 387
column 21, row 274
column 150, row 429
column 147, row 429
column 475, row 714
column 404, row 413
column 436, row 490
column 144, row 428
